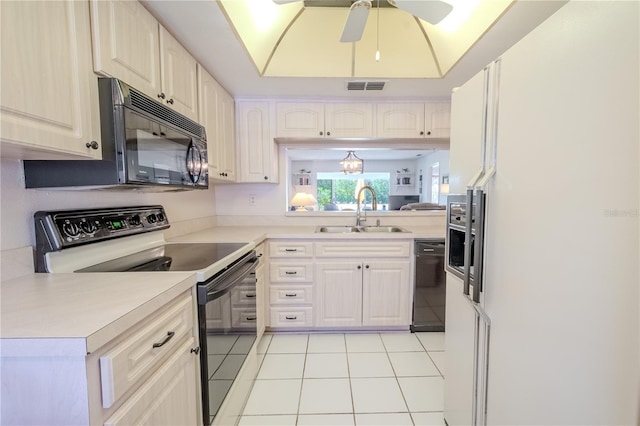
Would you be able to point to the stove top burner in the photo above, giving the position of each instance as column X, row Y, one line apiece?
column 169, row 257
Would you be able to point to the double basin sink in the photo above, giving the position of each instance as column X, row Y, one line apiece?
column 351, row 229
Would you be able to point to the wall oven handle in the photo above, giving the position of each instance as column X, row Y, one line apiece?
column 468, row 242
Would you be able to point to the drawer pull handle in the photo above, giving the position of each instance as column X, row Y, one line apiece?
column 290, row 250
column 249, row 295
column 250, row 318
column 291, row 318
column 170, row 335
column 291, row 272
column 291, row 294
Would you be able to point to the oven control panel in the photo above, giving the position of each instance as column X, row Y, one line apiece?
column 68, row 228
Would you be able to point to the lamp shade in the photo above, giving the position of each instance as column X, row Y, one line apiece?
column 302, row 200
column 351, row 164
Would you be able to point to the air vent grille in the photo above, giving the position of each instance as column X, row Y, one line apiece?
column 365, row 85
column 145, row 104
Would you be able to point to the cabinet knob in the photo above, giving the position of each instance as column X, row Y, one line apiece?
column 266, row 178
column 328, row 133
column 429, row 132
column 92, row 145
column 359, row 267
column 366, row 266
column 195, row 350
column 170, row 101
column 421, row 133
column 321, row 133
column 161, row 95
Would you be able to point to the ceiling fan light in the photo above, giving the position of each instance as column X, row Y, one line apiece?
column 356, row 21
column 432, row 11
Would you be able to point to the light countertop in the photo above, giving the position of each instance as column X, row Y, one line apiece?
column 75, row 314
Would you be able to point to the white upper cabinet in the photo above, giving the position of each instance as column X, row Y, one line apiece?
column 178, row 74
column 299, row 119
column 215, row 113
column 348, row 120
column 131, row 45
column 316, row 120
column 49, row 104
column 395, row 120
column 437, row 119
column 126, row 44
column 257, row 150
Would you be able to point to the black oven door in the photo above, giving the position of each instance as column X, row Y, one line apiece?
column 162, row 155
column 228, row 329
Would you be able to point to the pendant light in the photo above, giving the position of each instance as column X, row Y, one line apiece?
column 352, row 165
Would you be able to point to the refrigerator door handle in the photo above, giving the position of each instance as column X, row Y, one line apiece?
column 467, row 242
column 478, row 246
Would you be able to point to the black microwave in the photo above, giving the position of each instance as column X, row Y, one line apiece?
column 145, row 145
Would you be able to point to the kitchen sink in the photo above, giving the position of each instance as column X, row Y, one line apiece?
column 350, row 229
column 337, row 229
column 382, row 229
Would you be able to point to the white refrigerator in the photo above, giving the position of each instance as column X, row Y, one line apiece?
column 554, row 336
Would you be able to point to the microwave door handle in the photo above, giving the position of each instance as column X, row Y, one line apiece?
column 467, row 242
column 191, row 161
column 478, row 246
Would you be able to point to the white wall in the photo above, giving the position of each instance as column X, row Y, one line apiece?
column 424, row 164
column 19, row 204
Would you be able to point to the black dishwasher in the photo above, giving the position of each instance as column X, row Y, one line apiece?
column 429, row 286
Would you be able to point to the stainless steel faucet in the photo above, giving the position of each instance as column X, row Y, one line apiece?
column 374, row 204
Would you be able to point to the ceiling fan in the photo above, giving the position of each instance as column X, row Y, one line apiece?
column 432, row 11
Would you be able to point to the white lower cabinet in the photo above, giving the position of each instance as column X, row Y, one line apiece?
column 362, row 293
column 147, row 374
column 340, row 284
column 169, row 397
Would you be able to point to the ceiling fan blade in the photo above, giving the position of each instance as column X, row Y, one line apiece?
column 432, row 11
column 285, row 1
column 356, row 20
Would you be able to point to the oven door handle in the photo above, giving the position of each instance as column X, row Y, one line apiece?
column 468, row 242
column 214, row 290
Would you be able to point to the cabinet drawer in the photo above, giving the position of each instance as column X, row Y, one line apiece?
column 243, row 318
column 286, row 295
column 291, row 317
column 243, row 296
column 363, row 249
column 290, row 249
column 128, row 361
column 291, row 272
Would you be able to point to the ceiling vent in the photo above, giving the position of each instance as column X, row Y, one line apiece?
column 365, row 85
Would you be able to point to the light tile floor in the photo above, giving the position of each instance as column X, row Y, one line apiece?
column 348, row 379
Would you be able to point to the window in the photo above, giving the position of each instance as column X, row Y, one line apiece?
column 337, row 191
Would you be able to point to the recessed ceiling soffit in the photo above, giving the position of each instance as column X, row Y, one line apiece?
column 302, row 39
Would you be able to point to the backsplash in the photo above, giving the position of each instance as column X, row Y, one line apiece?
column 185, row 210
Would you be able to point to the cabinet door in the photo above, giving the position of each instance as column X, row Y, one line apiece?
column 258, row 159
column 300, row 119
column 209, row 116
column 437, row 119
column 178, row 74
column 338, row 294
column 126, row 44
column 170, row 397
column 228, row 136
column 400, row 120
column 49, row 104
column 349, row 120
column 386, row 293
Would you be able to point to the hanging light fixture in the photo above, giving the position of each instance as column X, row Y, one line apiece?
column 352, row 165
